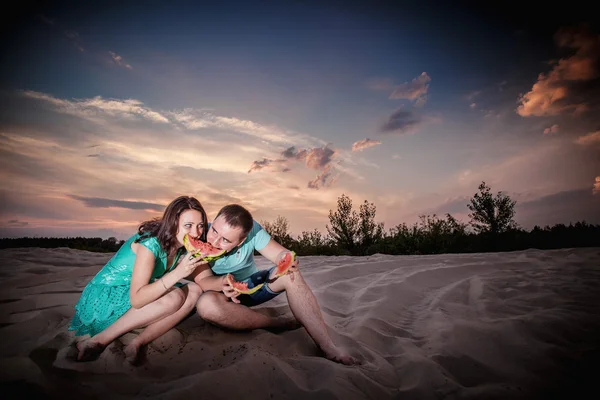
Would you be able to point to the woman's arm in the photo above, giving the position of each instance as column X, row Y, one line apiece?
column 141, row 291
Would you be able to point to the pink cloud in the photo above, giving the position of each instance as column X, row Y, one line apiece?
column 364, row 144
column 552, row 129
column 556, row 92
column 414, row 90
column 589, row 139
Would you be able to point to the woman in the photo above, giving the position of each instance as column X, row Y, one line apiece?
column 138, row 287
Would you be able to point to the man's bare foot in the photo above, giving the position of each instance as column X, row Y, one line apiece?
column 341, row 357
column 89, row 350
column 133, row 353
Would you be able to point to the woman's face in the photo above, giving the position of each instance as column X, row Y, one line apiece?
column 190, row 222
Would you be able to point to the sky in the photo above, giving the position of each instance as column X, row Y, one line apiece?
column 109, row 111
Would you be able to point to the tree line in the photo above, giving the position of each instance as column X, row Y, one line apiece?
column 355, row 232
column 491, row 228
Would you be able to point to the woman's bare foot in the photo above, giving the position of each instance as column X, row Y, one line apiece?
column 89, row 350
column 133, row 353
column 339, row 356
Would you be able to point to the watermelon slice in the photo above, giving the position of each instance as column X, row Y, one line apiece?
column 242, row 287
column 198, row 248
column 286, row 259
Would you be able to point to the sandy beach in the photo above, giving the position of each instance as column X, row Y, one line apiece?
column 455, row 326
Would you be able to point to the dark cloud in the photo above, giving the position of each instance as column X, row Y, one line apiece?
column 293, row 153
column 16, row 222
column 97, row 202
column 451, row 206
column 258, row 165
column 401, row 121
column 562, row 207
column 324, row 179
column 319, row 158
column 13, row 203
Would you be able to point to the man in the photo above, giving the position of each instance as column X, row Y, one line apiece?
column 235, row 231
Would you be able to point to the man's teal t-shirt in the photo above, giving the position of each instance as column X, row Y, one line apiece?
column 240, row 262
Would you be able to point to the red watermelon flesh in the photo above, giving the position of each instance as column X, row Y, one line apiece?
column 202, row 249
column 285, row 262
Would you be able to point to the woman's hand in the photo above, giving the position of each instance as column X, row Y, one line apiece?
column 188, row 264
column 229, row 291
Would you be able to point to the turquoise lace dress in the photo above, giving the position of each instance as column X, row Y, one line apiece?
column 106, row 296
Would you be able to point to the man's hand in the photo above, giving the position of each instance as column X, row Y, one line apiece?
column 229, row 291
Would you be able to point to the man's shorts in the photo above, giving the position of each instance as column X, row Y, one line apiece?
column 263, row 294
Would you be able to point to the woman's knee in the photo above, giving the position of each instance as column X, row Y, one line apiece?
column 174, row 299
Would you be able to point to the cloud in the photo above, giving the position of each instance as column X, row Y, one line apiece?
column 401, row 121
column 561, row 207
column 324, row 179
column 258, row 165
column 97, row 202
column 117, row 59
column 318, row 158
column 589, row 139
column 596, row 187
column 17, row 223
column 552, row 129
column 89, row 108
column 74, row 38
column 293, row 153
column 564, row 89
column 473, row 105
column 415, row 90
column 47, row 20
column 364, row 144
column 199, row 119
column 471, row 95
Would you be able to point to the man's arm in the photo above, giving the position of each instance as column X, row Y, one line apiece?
column 272, row 250
column 205, row 278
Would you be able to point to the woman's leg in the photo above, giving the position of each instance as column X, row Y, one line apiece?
column 91, row 348
column 192, row 292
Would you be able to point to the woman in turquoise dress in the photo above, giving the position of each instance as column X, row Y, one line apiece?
column 138, row 287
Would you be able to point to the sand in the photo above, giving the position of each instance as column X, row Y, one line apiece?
column 513, row 325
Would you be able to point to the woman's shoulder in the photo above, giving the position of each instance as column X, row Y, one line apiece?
column 151, row 243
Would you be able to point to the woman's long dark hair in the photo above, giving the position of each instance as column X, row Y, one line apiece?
column 165, row 228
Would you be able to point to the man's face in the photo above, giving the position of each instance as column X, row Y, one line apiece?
column 223, row 236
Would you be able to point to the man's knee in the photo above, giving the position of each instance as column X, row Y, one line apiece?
column 209, row 305
column 287, row 282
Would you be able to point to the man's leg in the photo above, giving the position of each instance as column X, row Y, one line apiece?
column 162, row 326
column 91, row 348
column 216, row 308
column 306, row 309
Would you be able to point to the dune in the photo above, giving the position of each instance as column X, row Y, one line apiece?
column 516, row 325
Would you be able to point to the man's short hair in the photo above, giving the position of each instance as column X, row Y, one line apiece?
column 237, row 216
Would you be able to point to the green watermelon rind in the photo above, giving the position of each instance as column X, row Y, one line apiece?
column 231, row 280
column 188, row 246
